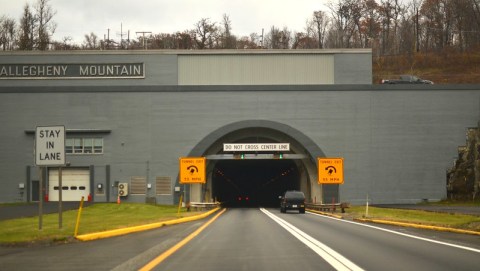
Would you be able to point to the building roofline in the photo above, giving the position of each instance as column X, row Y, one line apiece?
column 189, row 52
column 234, row 88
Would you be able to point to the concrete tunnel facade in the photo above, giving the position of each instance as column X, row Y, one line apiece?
column 128, row 129
column 267, row 131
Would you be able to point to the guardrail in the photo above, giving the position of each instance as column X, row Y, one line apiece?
column 328, row 207
column 201, row 206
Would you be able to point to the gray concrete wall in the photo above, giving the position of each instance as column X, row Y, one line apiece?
column 397, row 142
column 160, row 68
column 227, row 67
column 353, row 68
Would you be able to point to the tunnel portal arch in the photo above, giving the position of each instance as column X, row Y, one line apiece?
column 262, row 131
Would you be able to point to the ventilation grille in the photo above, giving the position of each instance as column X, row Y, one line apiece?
column 163, row 186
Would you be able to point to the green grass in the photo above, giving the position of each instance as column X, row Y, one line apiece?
column 97, row 217
column 458, row 221
column 454, row 203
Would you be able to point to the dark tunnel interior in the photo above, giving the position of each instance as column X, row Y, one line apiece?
column 253, row 183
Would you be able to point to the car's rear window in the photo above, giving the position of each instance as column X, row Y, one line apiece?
column 295, row 195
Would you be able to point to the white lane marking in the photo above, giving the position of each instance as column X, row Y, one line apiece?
column 400, row 233
column 331, row 256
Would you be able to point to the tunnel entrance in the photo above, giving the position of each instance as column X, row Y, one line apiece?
column 253, row 183
column 254, row 178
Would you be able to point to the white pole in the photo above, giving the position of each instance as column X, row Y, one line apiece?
column 366, row 208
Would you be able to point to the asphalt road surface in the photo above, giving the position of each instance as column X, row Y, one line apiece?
column 260, row 239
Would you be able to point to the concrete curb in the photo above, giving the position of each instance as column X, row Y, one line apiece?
column 123, row 231
column 418, row 226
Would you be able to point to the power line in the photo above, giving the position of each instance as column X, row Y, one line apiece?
column 143, row 33
column 121, row 35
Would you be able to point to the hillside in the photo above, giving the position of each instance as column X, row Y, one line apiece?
column 446, row 67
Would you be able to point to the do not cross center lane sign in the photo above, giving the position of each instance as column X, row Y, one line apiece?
column 50, row 145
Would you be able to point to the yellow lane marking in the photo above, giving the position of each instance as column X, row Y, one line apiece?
column 149, row 266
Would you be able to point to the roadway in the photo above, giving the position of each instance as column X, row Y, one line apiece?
column 261, row 239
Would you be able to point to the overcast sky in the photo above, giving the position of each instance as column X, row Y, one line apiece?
column 76, row 18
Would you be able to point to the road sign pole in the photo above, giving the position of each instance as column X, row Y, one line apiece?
column 60, row 188
column 49, row 151
column 40, row 198
column 179, row 204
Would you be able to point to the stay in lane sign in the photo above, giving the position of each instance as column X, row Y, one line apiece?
column 50, row 146
column 192, row 170
column 330, row 170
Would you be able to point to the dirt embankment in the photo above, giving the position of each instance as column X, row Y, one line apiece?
column 445, row 67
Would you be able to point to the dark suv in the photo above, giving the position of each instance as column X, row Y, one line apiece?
column 292, row 200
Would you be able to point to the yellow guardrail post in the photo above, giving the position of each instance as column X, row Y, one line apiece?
column 77, row 224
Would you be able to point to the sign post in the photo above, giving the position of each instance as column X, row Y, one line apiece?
column 50, row 151
column 330, row 170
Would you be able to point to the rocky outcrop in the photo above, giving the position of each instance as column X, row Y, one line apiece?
column 463, row 179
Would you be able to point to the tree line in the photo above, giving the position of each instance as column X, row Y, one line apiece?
column 389, row 27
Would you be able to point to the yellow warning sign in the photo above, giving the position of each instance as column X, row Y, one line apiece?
column 192, row 170
column 330, row 170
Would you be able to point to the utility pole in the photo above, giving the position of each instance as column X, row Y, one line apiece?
column 108, row 38
column 143, row 33
column 261, row 41
column 107, row 41
column 121, row 34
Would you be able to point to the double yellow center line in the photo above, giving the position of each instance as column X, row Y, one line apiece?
column 159, row 259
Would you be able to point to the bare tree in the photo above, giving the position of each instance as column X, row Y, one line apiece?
column 227, row 39
column 390, row 27
column 46, row 26
column 320, row 22
column 278, row 39
column 184, row 40
column 249, row 42
column 370, row 23
column 26, row 34
column 64, row 44
column 7, row 33
column 91, row 42
column 343, row 23
column 204, row 32
column 390, row 11
column 304, row 41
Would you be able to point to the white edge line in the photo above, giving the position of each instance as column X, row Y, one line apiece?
column 335, row 259
column 400, row 233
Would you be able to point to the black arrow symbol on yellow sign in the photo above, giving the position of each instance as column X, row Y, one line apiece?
column 192, row 169
column 331, row 170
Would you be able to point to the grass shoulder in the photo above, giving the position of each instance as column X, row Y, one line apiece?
column 95, row 218
column 450, row 220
